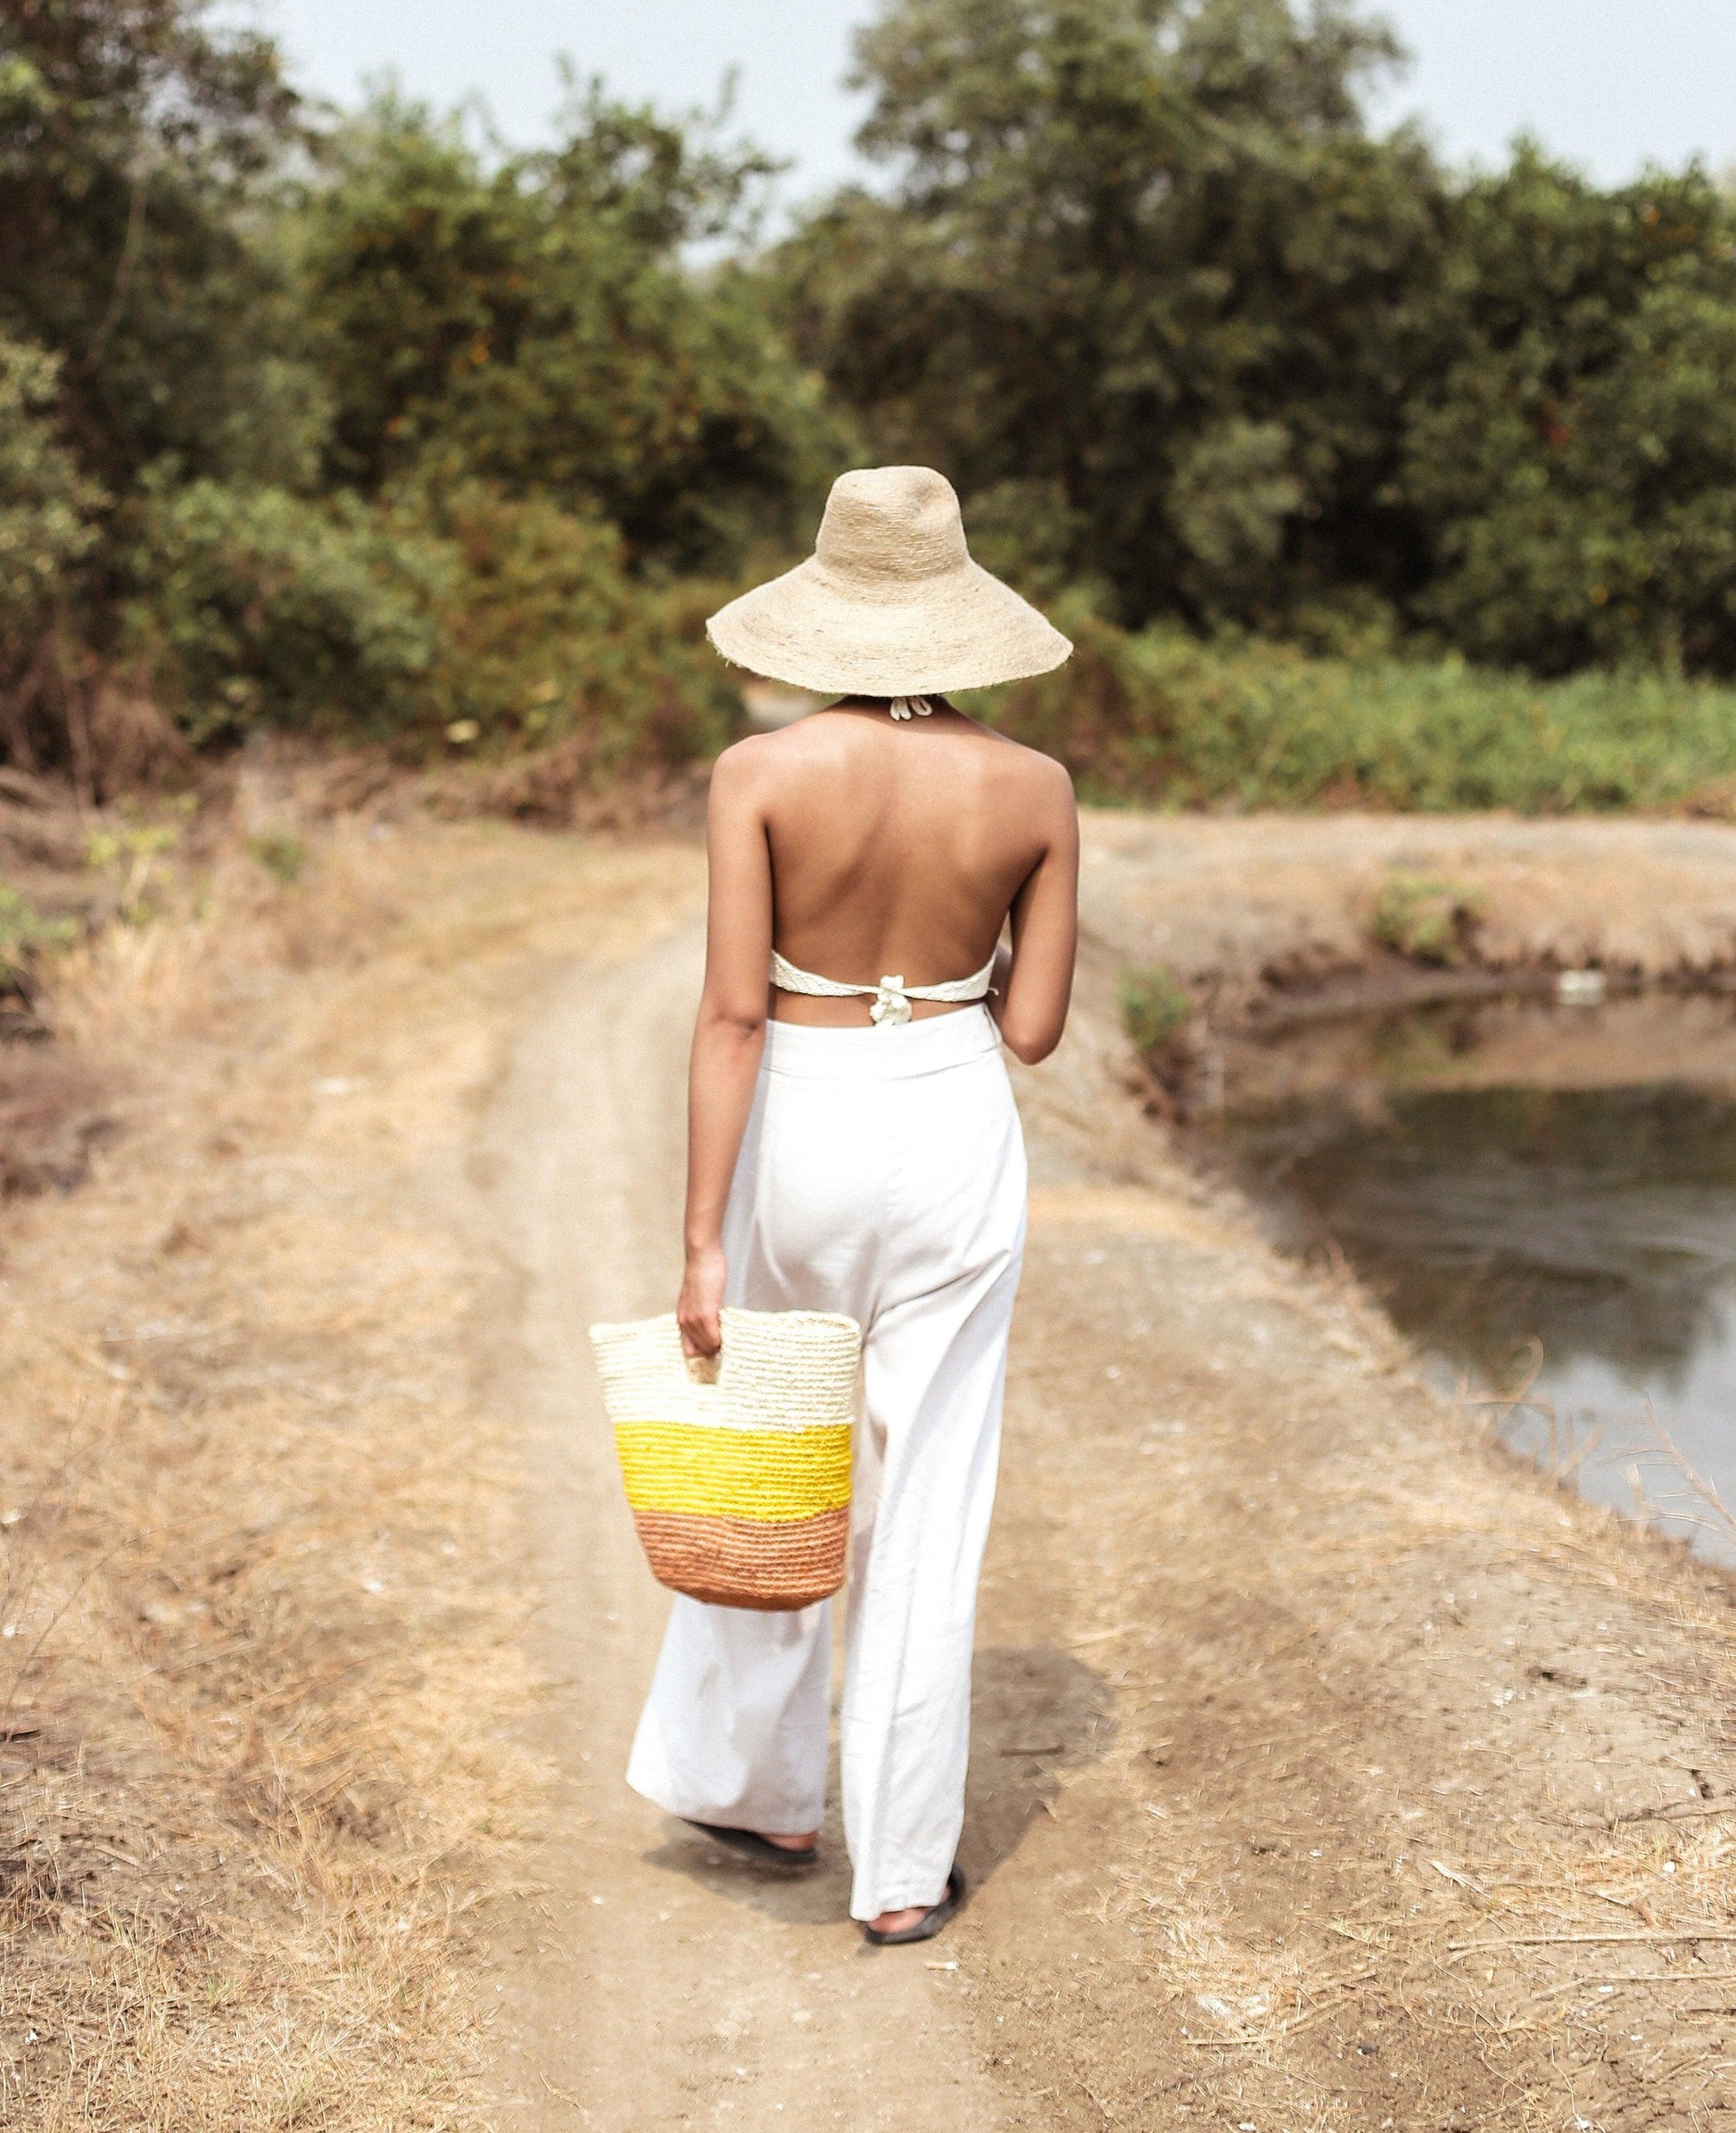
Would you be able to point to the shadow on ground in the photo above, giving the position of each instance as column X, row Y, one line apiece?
column 1036, row 1713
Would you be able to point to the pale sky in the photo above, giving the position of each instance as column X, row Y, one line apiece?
column 1609, row 83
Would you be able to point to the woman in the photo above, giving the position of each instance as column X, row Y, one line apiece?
column 853, row 1146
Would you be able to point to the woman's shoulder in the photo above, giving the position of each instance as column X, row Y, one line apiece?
column 1032, row 762
column 760, row 766
column 827, row 744
column 1041, row 777
column 757, row 756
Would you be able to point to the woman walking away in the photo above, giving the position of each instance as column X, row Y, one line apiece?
column 854, row 1147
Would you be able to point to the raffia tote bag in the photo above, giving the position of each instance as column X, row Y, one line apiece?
column 738, row 1469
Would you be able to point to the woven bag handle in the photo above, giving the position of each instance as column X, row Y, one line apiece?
column 703, row 1371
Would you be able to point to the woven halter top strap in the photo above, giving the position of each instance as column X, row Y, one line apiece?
column 891, row 996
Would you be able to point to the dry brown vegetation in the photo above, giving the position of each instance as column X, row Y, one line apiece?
column 1269, row 908
column 260, row 1643
column 1331, row 1771
column 1410, row 1796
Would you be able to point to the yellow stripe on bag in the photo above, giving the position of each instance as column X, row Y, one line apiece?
column 768, row 1474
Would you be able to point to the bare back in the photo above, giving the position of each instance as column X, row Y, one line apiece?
column 860, row 849
column 898, row 847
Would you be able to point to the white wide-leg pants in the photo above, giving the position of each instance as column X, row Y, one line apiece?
column 882, row 1174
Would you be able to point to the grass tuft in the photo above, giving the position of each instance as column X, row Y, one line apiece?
column 1155, row 1007
column 1426, row 919
column 282, row 854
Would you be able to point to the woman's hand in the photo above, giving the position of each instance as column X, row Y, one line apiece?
column 700, row 1300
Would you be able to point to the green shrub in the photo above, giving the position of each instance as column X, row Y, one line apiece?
column 127, row 852
column 529, row 321
column 26, row 934
column 257, row 607
column 543, row 636
column 44, row 502
column 281, row 855
column 1428, row 919
column 1160, row 718
column 467, row 618
column 1155, row 1007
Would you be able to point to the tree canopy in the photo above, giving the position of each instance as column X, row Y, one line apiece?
column 133, row 137
column 367, row 420
column 1570, row 462
column 1144, row 284
column 530, row 323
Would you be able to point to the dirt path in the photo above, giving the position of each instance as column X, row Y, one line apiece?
column 653, row 1983
column 1329, row 1769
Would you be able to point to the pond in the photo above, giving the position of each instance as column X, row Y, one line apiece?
column 1541, row 1193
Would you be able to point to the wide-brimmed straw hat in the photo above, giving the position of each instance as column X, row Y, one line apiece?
column 889, row 603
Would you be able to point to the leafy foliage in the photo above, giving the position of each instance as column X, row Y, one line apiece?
column 280, row 853
column 507, row 619
column 44, row 501
column 1156, row 1007
column 544, row 637
column 374, row 427
column 131, row 137
column 262, row 606
column 1182, row 331
column 529, row 324
column 26, row 934
column 1574, row 462
column 391, row 449
column 1158, row 717
column 1426, row 918
column 1142, row 273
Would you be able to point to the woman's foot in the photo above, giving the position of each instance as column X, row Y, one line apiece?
column 770, row 1849
column 897, row 1922
column 894, row 1929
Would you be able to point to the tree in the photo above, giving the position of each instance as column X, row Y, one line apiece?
column 131, row 136
column 531, row 323
column 46, row 504
column 1573, row 461
column 1144, row 286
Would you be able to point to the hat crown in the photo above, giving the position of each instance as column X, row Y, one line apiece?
column 890, row 604
column 900, row 522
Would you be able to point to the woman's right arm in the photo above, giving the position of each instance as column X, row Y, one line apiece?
column 729, row 1036
column 1037, row 988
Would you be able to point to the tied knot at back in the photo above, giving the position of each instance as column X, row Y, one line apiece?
column 891, row 1002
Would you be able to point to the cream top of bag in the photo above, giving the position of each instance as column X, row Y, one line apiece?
column 782, row 1370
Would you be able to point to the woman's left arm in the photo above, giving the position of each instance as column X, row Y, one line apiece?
column 729, row 1034
column 1036, row 982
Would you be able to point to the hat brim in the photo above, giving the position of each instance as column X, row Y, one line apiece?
column 959, row 629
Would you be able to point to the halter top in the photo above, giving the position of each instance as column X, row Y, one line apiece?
column 892, row 997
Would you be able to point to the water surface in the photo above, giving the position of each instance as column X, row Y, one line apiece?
column 1540, row 1194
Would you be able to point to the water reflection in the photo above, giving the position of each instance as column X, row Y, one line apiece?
column 1522, row 1173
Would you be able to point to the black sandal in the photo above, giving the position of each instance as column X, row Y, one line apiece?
column 755, row 1847
column 932, row 1921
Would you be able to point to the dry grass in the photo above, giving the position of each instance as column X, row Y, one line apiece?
column 1418, row 1809
column 261, row 1663
column 53, row 1112
column 1544, row 1949
column 1580, row 1954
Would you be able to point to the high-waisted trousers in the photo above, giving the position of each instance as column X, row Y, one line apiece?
column 882, row 1173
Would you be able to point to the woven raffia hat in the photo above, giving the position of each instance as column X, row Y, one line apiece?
column 889, row 603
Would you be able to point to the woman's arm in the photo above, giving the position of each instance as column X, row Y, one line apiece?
column 729, row 1034
column 1037, row 988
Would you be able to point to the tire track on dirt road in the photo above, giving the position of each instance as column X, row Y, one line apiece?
column 653, row 1983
